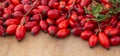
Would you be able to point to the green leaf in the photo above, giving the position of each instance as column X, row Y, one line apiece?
column 100, row 17
column 96, row 10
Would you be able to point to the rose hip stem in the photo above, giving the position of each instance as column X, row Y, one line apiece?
column 33, row 5
column 71, row 8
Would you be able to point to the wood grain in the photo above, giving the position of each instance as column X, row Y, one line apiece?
column 44, row 45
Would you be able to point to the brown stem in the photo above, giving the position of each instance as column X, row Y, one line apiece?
column 24, row 16
column 99, row 30
column 71, row 8
column 31, row 7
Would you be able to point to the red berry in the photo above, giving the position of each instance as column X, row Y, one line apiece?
column 85, row 35
column 44, row 2
column 55, row 5
column 1, row 22
column 7, row 10
column 26, row 7
column 63, row 24
column 2, row 31
column 43, row 9
column 51, row 2
column 85, row 2
column 43, row 25
column 35, row 30
column 11, row 6
column 15, row 2
column 60, row 19
column 76, row 31
column 108, row 29
column 11, row 29
column 114, row 32
column 11, row 21
column 18, row 14
column 19, row 7
column 74, row 18
column 6, row 16
column 50, row 21
column 63, row 33
column 90, row 25
column 104, row 41
column 30, row 25
column 52, row 30
column 36, row 17
column 20, row 32
column 113, row 21
column 35, row 11
column 93, row 40
column 53, row 14
column 114, row 41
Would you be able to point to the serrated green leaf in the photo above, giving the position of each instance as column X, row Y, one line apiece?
column 96, row 9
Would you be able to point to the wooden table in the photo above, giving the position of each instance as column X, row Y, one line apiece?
column 44, row 45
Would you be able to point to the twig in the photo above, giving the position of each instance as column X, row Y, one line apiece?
column 71, row 8
column 24, row 16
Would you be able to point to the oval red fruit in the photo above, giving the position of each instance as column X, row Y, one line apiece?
column 11, row 29
column 93, row 40
column 20, row 32
column 104, row 41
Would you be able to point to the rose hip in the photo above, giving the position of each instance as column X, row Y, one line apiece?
column 19, row 7
column 20, row 32
column 52, row 30
column 44, row 2
column 26, row 7
column 60, row 19
column 85, row 2
column 53, row 14
column 35, row 30
column 18, row 14
column 43, row 9
column 50, row 21
column 11, row 29
column 2, row 31
column 43, row 25
column 76, row 31
column 93, row 40
column 15, row 2
column 104, row 41
column 63, row 33
column 114, row 41
column 63, row 24
column 85, row 35
column 90, row 25
column 11, row 21
column 36, row 17
column 29, row 25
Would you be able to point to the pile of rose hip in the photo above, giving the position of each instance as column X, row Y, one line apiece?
column 58, row 18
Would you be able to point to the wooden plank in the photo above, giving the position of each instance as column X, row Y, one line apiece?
column 44, row 45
